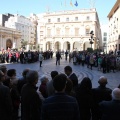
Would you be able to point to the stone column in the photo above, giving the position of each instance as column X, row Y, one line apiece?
column 71, row 46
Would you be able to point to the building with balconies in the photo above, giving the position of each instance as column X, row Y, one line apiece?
column 114, row 28
column 69, row 30
column 25, row 25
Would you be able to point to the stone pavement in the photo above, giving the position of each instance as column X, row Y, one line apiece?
column 81, row 72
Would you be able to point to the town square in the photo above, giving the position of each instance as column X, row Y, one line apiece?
column 60, row 60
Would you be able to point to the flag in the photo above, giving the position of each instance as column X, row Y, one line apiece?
column 71, row 3
column 76, row 4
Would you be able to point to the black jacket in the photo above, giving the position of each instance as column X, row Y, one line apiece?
column 110, row 110
column 100, row 94
column 74, row 80
column 30, row 103
column 5, row 103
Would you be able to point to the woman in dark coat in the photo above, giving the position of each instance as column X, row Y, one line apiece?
column 85, row 99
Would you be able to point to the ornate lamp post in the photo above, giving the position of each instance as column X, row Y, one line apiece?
column 91, row 38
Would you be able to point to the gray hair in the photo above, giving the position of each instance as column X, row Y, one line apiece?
column 44, row 77
column 116, row 94
column 31, row 76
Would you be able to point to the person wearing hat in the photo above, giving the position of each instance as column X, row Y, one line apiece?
column 100, row 94
column 111, row 109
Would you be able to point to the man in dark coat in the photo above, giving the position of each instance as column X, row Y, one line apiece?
column 58, row 56
column 60, row 106
column 111, row 109
column 100, row 94
column 30, row 100
column 22, row 80
column 5, row 100
column 72, row 76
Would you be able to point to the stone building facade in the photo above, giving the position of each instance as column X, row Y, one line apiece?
column 69, row 30
column 9, row 38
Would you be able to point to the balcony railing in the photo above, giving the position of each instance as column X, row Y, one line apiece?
column 51, row 36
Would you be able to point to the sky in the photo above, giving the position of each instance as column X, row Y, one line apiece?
column 25, row 7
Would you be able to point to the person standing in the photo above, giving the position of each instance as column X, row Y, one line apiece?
column 111, row 109
column 30, row 100
column 58, row 56
column 60, row 106
column 72, row 76
column 40, row 59
column 5, row 100
column 66, row 55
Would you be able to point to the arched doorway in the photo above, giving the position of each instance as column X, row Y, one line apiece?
column 86, row 45
column 66, row 46
column 77, row 46
column 48, row 47
column 9, row 44
column 57, row 46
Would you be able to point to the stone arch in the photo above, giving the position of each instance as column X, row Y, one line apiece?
column 9, row 43
column 66, row 45
column 57, row 46
column 77, row 46
column 86, row 45
column 48, row 45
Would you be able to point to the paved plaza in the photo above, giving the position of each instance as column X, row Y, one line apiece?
column 49, row 65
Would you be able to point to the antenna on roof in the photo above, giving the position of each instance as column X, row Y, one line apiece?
column 92, row 3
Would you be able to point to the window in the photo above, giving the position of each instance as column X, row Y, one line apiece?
column 105, row 39
column 49, row 20
column 76, row 31
column 67, row 19
column 58, row 31
column 87, row 32
column 76, row 18
column 67, row 31
column 87, row 18
column 105, row 34
column 104, row 44
column 49, row 32
column 58, row 20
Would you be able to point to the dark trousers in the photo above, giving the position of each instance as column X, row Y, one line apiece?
column 58, row 61
column 40, row 63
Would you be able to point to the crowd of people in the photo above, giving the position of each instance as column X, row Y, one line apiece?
column 61, row 98
column 23, row 56
column 104, row 62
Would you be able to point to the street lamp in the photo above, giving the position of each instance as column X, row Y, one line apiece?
column 91, row 38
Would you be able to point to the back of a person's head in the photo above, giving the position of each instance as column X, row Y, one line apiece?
column 68, row 68
column 53, row 74
column 86, row 83
column 44, row 78
column 102, row 81
column 25, row 71
column 3, row 68
column 11, row 72
column 32, row 76
column 6, row 82
column 116, row 94
column 59, row 82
